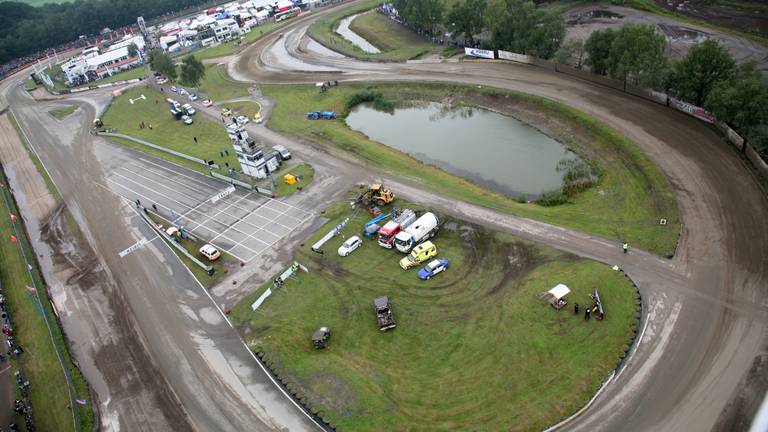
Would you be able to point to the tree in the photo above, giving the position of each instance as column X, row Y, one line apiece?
column 161, row 62
column 571, row 52
column 467, row 18
column 421, row 14
column 133, row 50
column 638, row 56
column 705, row 65
column 192, row 71
column 740, row 102
column 598, row 48
column 519, row 26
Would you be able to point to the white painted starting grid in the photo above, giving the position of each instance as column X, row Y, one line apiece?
column 244, row 224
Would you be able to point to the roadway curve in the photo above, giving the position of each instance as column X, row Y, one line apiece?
column 705, row 315
column 705, row 321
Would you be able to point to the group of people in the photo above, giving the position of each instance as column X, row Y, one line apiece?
column 22, row 406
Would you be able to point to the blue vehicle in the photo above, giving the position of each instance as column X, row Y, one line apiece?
column 317, row 115
column 371, row 228
column 434, row 267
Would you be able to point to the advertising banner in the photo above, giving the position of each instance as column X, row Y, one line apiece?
column 476, row 52
column 515, row 57
column 693, row 110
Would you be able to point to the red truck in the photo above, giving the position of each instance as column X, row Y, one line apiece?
column 388, row 232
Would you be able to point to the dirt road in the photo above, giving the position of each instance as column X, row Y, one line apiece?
column 705, row 325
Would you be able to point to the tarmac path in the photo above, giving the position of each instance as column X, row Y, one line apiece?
column 704, row 327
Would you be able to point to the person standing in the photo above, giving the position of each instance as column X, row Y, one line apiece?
column 576, row 309
column 586, row 314
column 625, row 246
column 195, row 138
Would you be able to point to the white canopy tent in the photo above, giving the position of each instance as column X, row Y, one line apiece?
column 558, row 292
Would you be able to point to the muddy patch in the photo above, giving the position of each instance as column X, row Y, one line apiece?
column 76, row 265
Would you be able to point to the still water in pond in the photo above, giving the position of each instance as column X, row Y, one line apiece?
column 493, row 150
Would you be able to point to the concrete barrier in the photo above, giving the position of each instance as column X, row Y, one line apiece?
column 730, row 135
column 589, row 76
column 651, row 95
column 757, row 162
column 157, row 147
column 546, row 64
column 231, row 180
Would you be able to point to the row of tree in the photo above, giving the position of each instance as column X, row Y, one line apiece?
column 25, row 29
column 707, row 76
column 515, row 25
column 192, row 69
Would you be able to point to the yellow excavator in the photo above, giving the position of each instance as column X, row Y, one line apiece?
column 377, row 194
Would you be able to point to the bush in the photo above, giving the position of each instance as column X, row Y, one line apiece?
column 578, row 176
column 553, row 198
column 375, row 98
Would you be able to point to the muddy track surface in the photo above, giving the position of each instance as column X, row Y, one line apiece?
column 705, row 322
column 704, row 333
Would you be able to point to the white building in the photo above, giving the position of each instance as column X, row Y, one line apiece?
column 251, row 155
column 91, row 65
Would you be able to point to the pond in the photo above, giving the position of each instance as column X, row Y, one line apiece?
column 493, row 150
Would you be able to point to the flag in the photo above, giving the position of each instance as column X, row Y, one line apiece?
column 13, row 217
column 13, row 239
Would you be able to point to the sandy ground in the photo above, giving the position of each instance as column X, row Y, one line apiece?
column 584, row 20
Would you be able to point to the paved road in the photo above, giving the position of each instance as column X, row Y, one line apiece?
column 705, row 319
column 157, row 349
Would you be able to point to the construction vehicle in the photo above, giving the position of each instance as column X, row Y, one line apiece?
column 324, row 115
column 384, row 313
column 377, row 194
column 420, row 254
column 424, row 228
column 390, row 229
column 371, row 228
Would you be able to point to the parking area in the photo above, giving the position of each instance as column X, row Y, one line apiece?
column 242, row 223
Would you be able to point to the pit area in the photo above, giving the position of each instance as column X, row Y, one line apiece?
column 241, row 223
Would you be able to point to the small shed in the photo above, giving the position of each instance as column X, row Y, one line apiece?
column 556, row 296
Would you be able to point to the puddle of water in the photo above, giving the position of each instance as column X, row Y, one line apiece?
column 493, row 150
column 353, row 37
column 317, row 48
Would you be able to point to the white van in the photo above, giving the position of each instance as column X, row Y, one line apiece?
column 282, row 151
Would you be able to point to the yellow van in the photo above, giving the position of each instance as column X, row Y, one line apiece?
column 418, row 255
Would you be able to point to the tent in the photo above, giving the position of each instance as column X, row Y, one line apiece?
column 555, row 296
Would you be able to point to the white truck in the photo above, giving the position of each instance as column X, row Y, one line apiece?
column 424, row 228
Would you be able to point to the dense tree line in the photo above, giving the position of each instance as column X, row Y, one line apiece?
column 25, row 29
column 514, row 25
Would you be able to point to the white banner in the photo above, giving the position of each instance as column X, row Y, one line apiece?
column 698, row 112
column 476, row 52
column 520, row 58
column 261, row 299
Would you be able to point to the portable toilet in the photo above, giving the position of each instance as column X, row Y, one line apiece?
column 289, row 179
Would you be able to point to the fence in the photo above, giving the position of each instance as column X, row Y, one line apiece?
column 157, row 147
column 700, row 113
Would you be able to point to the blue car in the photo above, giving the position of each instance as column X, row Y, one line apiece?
column 433, row 268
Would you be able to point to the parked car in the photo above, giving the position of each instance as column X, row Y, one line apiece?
column 187, row 119
column 241, row 120
column 182, row 91
column 320, row 337
column 350, row 245
column 282, row 151
column 433, row 268
column 189, row 109
column 210, row 252
column 162, row 80
column 192, row 97
column 257, row 118
column 226, row 112
column 174, row 89
column 207, row 103
column 384, row 313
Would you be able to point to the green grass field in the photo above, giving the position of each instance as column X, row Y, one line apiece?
column 474, row 348
column 166, row 131
column 62, row 112
column 48, row 390
column 404, row 44
column 304, row 171
column 218, row 86
column 246, row 108
column 632, row 194
column 392, row 39
column 29, row 84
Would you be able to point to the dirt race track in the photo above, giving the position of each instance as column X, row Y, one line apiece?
column 699, row 364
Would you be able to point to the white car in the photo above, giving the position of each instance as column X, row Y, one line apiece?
column 350, row 245
column 207, row 103
column 192, row 97
column 182, row 91
column 174, row 89
column 188, row 109
column 186, row 119
column 241, row 120
column 162, row 80
column 210, row 252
